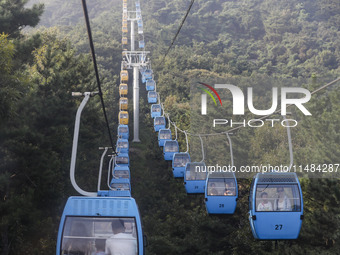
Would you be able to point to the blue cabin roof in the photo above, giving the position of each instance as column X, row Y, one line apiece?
column 100, row 206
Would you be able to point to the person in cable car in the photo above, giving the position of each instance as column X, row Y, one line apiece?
column 282, row 203
column 213, row 191
column 164, row 135
column 120, row 242
column 265, row 205
column 229, row 189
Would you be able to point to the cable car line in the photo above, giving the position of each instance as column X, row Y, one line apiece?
column 231, row 150
column 178, row 30
column 89, row 33
column 187, row 141
column 101, row 166
column 290, row 146
column 202, row 147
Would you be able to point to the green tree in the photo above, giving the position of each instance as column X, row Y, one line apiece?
column 14, row 16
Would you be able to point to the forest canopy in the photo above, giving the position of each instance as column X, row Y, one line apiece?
column 44, row 56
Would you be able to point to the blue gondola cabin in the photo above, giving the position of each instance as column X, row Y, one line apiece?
column 275, row 206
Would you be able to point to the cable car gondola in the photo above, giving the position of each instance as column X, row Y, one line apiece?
column 124, row 75
column 124, row 29
column 124, row 40
column 122, row 146
column 121, row 173
column 123, row 103
column 156, row 110
column 159, row 123
column 221, row 193
column 122, row 159
column 120, row 187
column 275, row 206
column 169, row 149
column 163, row 136
column 150, row 85
column 152, row 96
column 275, row 203
column 87, row 221
column 123, row 117
column 123, row 89
column 179, row 162
column 146, row 75
column 195, row 177
column 123, row 131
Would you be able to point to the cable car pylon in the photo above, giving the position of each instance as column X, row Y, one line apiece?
column 134, row 59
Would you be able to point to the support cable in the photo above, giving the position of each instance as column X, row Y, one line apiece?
column 231, row 150
column 290, row 146
column 88, row 27
column 187, row 140
column 178, row 30
column 202, row 148
column 111, row 162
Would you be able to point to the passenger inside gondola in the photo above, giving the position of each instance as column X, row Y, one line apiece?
column 123, row 116
column 159, row 121
column 165, row 135
column 265, row 205
column 281, row 197
column 156, row 108
column 212, row 190
column 124, row 174
column 171, row 147
column 282, row 203
column 180, row 162
column 152, row 94
column 123, row 144
column 120, row 242
column 229, row 188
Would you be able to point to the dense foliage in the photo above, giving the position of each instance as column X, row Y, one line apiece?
column 262, row 43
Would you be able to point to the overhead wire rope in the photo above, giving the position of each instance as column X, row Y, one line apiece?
column 178, row 30
column 89, row 33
